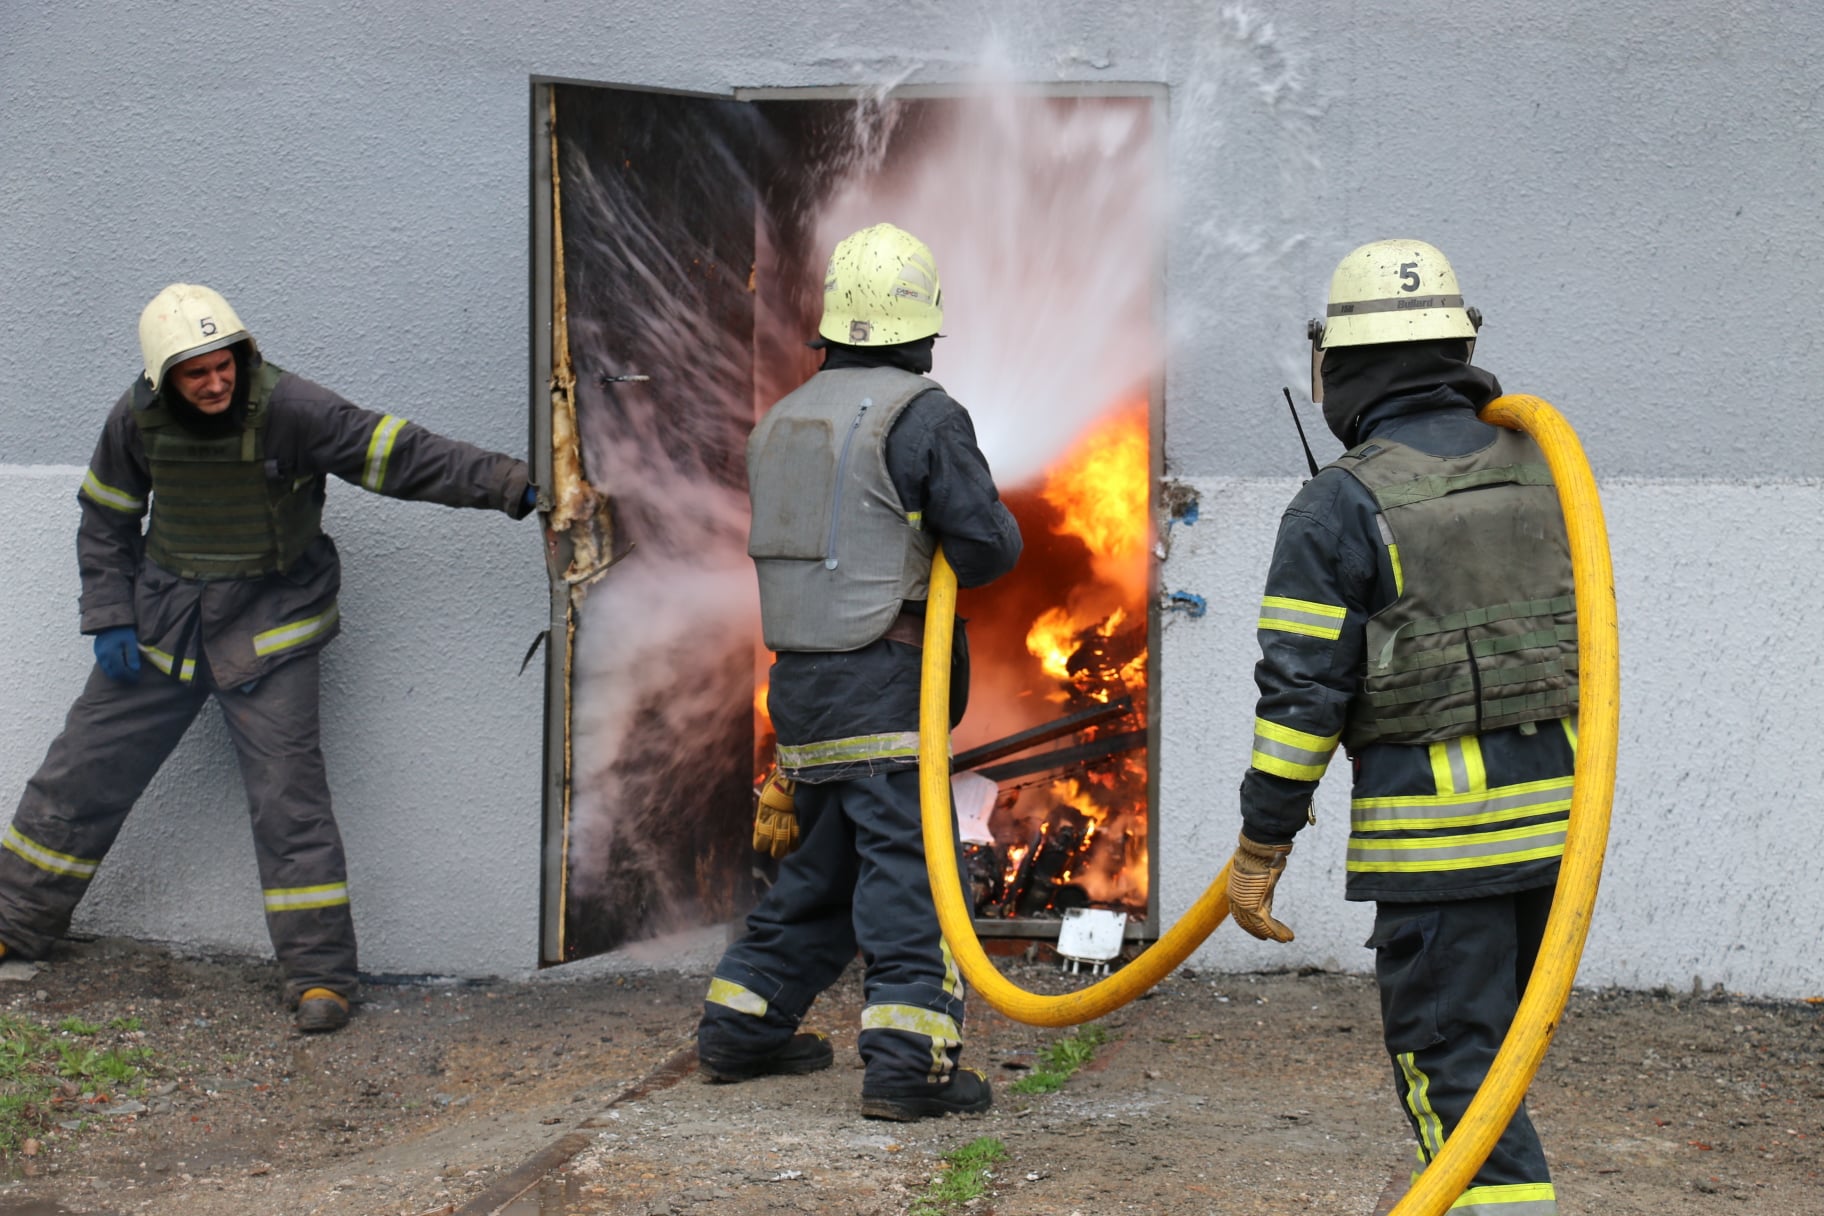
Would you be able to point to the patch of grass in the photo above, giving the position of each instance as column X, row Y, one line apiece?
column 965, row 1176
column 125, row 1024
column 40, row 1066
column 1059, row 1060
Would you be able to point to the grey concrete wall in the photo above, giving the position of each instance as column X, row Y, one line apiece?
column 1628, row 191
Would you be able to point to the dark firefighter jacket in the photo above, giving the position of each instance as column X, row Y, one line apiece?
column 1467, row 817
column 244, row 627
column 871, row 694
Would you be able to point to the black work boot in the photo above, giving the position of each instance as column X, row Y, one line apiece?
column 966, row 1093
column 806, row 1051
column 321, row 1011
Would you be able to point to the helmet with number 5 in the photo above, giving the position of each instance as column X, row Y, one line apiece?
column 182, row 321
column 881, row 289
column 1391, row 291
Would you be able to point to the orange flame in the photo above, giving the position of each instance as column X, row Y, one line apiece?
column 1100, row 488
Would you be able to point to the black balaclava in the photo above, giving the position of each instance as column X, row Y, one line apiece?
column 1357, row 378
column 229, row 421
column 915, row 357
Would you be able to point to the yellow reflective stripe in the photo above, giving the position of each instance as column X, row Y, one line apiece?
column 1476, row 807
column 49, row 860
column 844, row 751
column 916, row 519
column 953, row 979
column 299, row 899
column 380, row 450
column 1286, row 752
column 163, row 662
column 297, row 633
column 1512, row 1199
column 1307, row 617
column 1441, row 777
column 1570, row 732
column 735, row 997
column 1414, row 855
column 99, row 491
column 941, row 1028
column 1418, row 1101
column 1470, row 748
column 1399, row 576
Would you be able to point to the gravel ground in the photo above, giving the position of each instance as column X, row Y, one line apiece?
column 1216, row 1094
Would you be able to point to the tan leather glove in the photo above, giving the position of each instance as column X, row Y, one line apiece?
column 775, row 822
column 1253, row 873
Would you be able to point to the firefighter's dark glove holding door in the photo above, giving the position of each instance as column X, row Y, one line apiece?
column 775, row 820
column 1253, row 873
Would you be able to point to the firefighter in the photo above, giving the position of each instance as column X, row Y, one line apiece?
column 1419, row 611
column 854, row 479
column 229, row 592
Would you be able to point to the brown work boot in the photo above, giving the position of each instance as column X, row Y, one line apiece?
column 321, row 1011
column 806, row 1051
column 967, row 1092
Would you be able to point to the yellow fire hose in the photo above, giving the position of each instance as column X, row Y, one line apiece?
column 1586, row 833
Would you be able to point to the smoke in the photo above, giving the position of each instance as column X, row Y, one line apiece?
column 1044, row 217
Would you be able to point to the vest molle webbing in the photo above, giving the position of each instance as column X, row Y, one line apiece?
column 216, row 511
column 1483, row 633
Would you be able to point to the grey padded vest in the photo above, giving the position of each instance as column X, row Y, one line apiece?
column 836, row 553
column 1483, row 633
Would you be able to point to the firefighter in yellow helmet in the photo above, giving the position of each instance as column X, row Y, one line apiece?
column 228, row 591
column 854, row 479
column 1419, row 611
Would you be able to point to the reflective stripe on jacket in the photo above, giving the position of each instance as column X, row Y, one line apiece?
column 243, row 627
column 1479, row 814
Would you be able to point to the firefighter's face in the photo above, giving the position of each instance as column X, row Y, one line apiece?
column 205, row 381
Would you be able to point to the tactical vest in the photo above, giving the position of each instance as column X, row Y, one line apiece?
column 1483, row 632
column 836, row 552
column 216, row 511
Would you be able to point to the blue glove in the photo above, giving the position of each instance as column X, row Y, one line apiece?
column 117, row 651
column 531, row 497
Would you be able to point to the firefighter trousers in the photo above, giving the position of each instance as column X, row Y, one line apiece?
column 113, row 742
column 856, row 880
column 1451, row 975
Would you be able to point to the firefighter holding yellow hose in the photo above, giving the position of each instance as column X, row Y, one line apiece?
column 855, row 478
column 1419, row 611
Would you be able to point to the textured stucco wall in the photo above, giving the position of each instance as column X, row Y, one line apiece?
column 1628, row 190
column 1713, row 851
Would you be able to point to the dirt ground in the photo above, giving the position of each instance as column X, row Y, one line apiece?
column 1216, row 1094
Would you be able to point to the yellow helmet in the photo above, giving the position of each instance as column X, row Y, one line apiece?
column 1390, row 291
column 881, row 289
column 185, row 320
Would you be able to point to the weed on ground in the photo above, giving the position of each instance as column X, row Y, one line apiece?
column 58, row 1074
column 965, row 1174
column 1059, row 1060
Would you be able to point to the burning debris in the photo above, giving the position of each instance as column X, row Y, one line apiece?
column 1088, row 846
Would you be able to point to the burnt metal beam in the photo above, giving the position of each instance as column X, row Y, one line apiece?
column 1045, row 732
column 1063, row 757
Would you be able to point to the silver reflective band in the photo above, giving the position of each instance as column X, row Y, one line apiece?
column 50, row 860
column 1355, row 308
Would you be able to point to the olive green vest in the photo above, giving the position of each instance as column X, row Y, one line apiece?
column 835, row 550
column 1483, row 632
column 215, row 511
